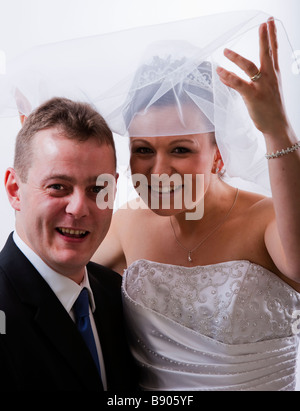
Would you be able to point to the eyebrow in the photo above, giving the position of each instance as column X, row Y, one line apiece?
column 178, row 141
column 140, row 140
column 65, row 177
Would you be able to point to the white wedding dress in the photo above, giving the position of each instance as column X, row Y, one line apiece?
column 228, row 326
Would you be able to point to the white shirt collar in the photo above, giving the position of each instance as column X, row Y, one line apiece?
column 63, row 287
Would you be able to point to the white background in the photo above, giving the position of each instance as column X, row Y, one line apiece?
column 26, row 23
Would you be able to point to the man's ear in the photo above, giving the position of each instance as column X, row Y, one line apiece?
column 23, row 105
column 12, row 188
column 22, row 118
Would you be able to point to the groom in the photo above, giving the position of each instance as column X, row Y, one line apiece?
column 61, row 149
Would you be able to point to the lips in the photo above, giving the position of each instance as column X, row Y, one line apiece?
column 72, row 232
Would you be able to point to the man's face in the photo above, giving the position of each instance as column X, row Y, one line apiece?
column 58, row 216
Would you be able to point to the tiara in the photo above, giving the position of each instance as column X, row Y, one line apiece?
column 175, row 71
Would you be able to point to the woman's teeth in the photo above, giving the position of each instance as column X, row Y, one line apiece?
column 166, row 189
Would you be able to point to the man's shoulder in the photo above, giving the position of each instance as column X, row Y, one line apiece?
column 10, row 256
column 106, row 286
column 11, row 262
column 8, row 247
column 104, row 275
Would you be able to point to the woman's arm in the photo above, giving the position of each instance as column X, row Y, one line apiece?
column 110, row 253
column 264, row 101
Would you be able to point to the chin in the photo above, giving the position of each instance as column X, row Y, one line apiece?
column 71, row 262
column 167, row 212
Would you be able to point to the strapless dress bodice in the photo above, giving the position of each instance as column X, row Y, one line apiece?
column 237, row 318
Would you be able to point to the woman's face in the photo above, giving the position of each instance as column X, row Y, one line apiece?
column 172, row 172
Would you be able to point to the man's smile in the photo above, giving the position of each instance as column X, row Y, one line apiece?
column 72, row 232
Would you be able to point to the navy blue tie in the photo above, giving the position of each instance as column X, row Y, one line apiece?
column 81, row 311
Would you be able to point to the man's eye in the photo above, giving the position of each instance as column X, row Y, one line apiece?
column 57, row 187
column 96, row 189
column 57, row 190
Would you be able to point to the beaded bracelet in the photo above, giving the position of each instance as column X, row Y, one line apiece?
column 283, row 152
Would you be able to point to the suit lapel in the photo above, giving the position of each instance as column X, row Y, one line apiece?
column 108, row 330
column 58, row 327
column 50, row 316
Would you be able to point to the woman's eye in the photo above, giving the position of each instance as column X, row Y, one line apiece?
column 142, row 150
column 181, row 150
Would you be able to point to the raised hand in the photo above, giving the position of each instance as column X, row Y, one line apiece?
column 262, row 94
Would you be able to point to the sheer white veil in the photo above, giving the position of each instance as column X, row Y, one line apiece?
column 132, row 73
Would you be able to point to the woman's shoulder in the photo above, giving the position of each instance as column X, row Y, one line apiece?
column 254, row 202
column 254, row 211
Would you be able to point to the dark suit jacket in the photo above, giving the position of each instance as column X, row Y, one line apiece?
column 42, row 349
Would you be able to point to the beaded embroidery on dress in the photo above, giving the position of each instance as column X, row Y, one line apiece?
column 225, row 326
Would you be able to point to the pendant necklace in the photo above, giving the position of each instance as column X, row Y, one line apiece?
column 189, row 257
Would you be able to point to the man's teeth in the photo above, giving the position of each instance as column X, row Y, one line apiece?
column 165, row 190
column 72, row 232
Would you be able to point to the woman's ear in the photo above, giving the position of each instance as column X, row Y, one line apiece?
column 218, row 162
column 12, row 188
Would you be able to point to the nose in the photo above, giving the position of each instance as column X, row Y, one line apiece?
column 77, row 205
column 162, row 165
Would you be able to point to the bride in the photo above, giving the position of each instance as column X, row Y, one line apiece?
column 210, row 301
column 212, row 273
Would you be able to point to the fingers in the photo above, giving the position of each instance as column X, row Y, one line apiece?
column 232, row 80
column 273, row 41
column 246, row 65
column 268, row 45
column 265, row 48
column 264, row 45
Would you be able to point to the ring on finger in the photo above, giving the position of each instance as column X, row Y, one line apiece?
column 256, row 77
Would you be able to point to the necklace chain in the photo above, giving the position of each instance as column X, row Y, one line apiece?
column 208, row 235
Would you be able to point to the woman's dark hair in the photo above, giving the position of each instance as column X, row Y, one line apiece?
column 149, row 79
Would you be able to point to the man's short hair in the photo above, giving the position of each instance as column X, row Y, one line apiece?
column 75, row 120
